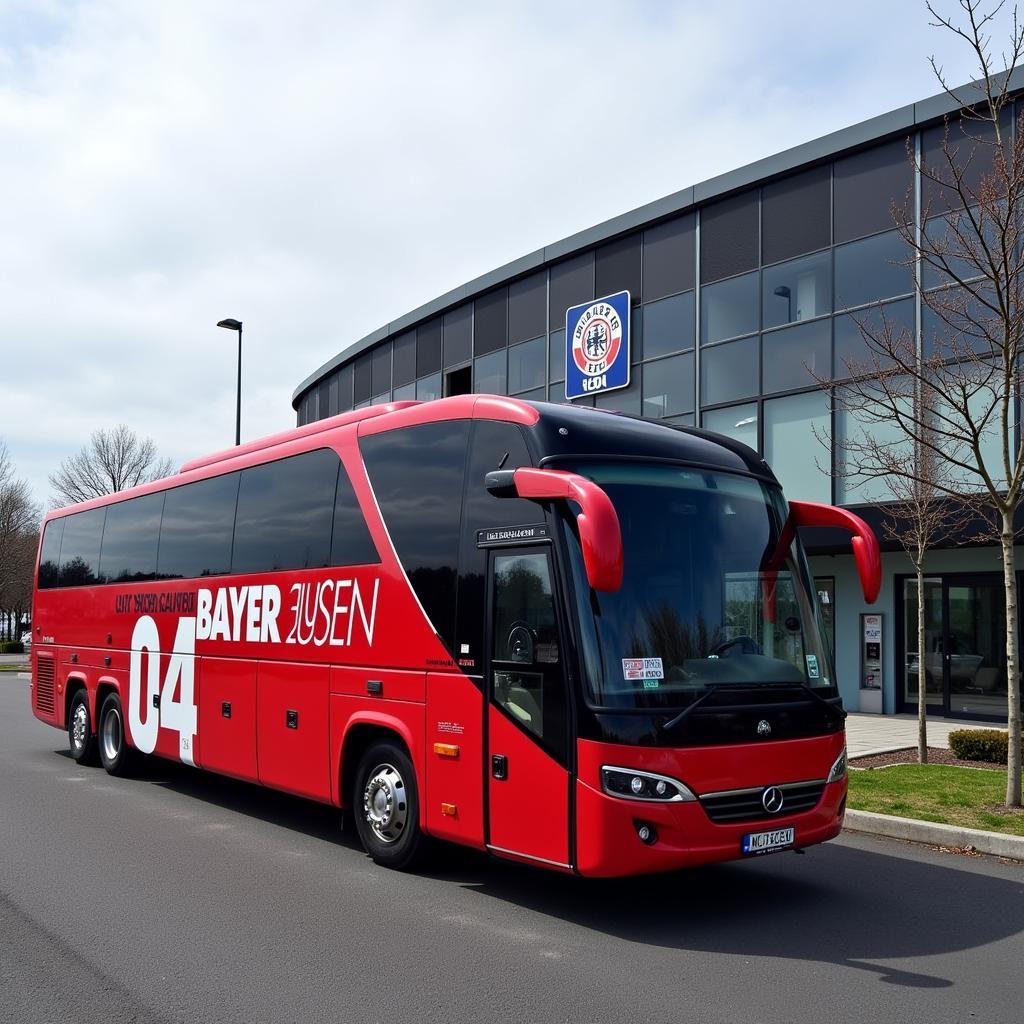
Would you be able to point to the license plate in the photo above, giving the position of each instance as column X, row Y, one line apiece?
column 767, row 842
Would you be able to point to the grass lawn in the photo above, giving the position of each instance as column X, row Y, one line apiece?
column 968, row 797
column 14, row 668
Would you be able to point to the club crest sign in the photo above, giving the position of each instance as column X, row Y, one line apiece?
column 597, row 346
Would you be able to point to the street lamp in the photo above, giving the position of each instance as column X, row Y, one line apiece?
column 236, row 325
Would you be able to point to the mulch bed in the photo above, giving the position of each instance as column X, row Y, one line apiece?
column 908, row 755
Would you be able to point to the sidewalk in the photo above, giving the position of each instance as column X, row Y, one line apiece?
column 874, row 734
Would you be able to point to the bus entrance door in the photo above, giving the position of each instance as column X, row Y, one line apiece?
column 527, row 714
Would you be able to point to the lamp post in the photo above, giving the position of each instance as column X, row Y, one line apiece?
column 236, row 325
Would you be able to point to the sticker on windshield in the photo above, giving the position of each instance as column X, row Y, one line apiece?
column 652, row 684
column 642, row 668
column 812, row 665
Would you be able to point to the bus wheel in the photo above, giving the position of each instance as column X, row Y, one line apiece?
column 114, row 752
column 387, row 808
column 81, row 740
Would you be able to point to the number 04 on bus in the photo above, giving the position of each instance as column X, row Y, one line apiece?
column 571, row 638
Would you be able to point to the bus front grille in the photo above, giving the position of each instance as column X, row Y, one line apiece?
column 737, row 805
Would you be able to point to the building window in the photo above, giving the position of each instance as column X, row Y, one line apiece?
column 526, row 364
column 345, row 388
column 617, row 267
column 489, row 374
column 796, row 214
column 729, row 309
column 362, row 388
column 528, row 307
column 791, row 428
column 670, row 257
column 625, row 400
column 404, row 363
column 556, row 356
column 405, row 393
column 729, row 372
column 458, row 335
column 571, row 283
column 729, row 242
column 381, row 370
column 873, row 268
column 852, row 351
column 428, row 388
column 428, row 348
column 668, row 386
column 490, row 322
column 668, row 325
column 796, row 357
column 865, row 187
column 738, row 422
column 798, row 290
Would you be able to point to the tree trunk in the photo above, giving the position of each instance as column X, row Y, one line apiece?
column 1012, row 678
column 922, row 727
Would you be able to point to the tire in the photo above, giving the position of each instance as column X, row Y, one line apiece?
column 81, row 738
column 386, row 807
column 115, row 754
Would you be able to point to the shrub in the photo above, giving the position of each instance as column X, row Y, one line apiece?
column 11, row 647
column 979, row 745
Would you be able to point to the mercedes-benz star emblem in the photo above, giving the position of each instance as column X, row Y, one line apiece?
column 764, row 727
column 772, row 799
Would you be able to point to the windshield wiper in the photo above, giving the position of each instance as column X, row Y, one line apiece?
column 713, row 688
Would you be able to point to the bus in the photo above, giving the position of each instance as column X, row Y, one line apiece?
column 568, row 637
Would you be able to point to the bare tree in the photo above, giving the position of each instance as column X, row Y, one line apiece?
column 112, row 461
column 953, row 397
column 19, row 520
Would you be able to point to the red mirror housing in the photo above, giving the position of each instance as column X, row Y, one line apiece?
column 866, row 552
column 600, row 534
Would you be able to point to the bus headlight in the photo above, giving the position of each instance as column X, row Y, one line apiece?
column 631, row 784
column 838, row 770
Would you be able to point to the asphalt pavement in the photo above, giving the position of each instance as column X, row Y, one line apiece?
column 180, row 896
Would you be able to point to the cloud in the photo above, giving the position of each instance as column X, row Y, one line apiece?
column 317, row 169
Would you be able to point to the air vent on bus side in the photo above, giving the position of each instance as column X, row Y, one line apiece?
column 44, row 684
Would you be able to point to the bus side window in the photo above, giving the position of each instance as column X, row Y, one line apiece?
column 525, row 651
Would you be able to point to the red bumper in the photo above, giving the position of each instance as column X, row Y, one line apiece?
column 607, row 843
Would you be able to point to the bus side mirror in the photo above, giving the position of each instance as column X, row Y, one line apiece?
column 600, row 535
column 866, row 552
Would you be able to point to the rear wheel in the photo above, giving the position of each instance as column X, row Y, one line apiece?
column 387, row 808
column 115, row 755
column 81, row 739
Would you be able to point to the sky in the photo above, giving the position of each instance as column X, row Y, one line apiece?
column 317, row 168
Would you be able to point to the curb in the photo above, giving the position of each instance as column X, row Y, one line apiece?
column 998, row 844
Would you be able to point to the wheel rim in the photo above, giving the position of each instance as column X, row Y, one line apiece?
column 79, row 726
column 111, row 734
column 385, row 803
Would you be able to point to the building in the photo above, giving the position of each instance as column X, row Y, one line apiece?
column 741, row 288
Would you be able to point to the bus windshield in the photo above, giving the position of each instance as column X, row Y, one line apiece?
column 709, row 598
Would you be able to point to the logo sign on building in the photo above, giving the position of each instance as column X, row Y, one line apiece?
column 597, row 346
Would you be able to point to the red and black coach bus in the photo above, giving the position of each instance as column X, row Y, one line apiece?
column 569, row 637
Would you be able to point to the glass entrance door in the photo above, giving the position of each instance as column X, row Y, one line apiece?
column 964, row 660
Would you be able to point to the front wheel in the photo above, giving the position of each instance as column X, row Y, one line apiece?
column 115, row 754
column 81, row 740
column 387, row 808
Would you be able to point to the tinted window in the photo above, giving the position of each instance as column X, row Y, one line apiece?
column 351, row 544
column 490, row 322
column 669, row 386
column 285, row 514
column 791, row 426
column 458, row 335
column 405, row 358
column 668, row 325
column 80, row 548
column 332, row 394
column 669, row 258
column 494, row 445
column 796, row 214
column 791, row 358
column 852, row 352
column 428, row 348
column 526, row 365
column 49, row 554
column 345, row 388
column 729, row 308
column 323, row 399
column 429, row 388
column 556, row 355
column 195, row 534
column 798, row 290
column 572, row 282
column 130, row 539
column 871, row 269
column 528, row 307
column 489, row 374
column 729, row 372
column 362, row 387
column 866, row 185
column 627, row 399
column 728, row 237
column 738, row 422
column 617, row 267
column 380, row 374
column 417, row 475
column 970, row 147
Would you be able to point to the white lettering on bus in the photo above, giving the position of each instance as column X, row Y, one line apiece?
column 318, row 620
column 220, row 613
